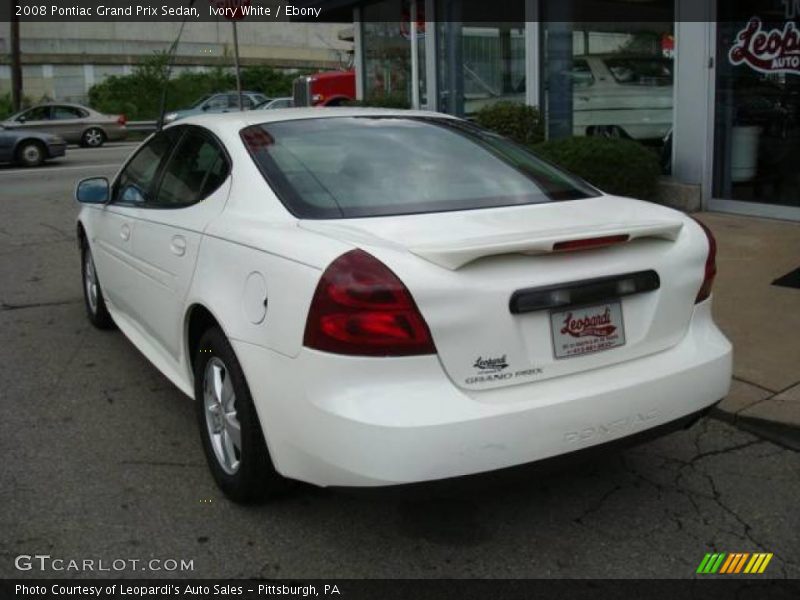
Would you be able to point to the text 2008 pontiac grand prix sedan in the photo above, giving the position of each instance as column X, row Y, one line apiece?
column 360, row 297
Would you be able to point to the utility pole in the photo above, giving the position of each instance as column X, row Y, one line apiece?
column 236, row 63
column 16, row 67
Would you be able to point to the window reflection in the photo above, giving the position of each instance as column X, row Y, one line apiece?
column 386, row 39
column 612, row 79
column 757, row 106
column 480, row 64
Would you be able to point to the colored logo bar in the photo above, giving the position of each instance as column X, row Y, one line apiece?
column 732, row 563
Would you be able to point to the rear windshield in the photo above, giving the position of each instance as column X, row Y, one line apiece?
column 340, row 167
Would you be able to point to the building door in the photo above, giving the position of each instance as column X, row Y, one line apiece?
column 757, row 109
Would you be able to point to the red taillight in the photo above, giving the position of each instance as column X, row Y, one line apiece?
column 121, row 120
column 361, row 308
column 711, row 265
column 587, row 243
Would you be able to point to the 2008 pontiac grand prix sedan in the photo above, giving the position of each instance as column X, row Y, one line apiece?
column 360, row 297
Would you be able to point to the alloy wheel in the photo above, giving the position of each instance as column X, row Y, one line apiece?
column 224, row 429
column 32, row 154
column 93, row 137
column 90, row 281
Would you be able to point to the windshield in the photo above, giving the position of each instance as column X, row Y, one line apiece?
column 341, row 167
column 650, row 72
column 202, row 100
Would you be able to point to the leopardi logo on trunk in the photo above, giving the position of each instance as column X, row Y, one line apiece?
column 491, row 365
column 734, row 563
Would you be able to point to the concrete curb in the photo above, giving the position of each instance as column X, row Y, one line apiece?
column 779, row 433
column 773, row 415
column 783, row 434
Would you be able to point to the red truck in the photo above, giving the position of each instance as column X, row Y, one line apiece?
column 329, row 88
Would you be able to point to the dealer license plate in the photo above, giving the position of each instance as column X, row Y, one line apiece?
column 587, row 329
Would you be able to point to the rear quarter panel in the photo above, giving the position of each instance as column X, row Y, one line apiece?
column 233, row 281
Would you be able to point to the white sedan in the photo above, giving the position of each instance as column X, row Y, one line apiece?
column 359, row 297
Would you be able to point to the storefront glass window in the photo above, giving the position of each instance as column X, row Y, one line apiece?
column 611, row 78
column 478, row 63
column 757, row 114
column 386, row 42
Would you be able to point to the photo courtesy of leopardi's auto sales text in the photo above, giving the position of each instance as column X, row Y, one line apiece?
column 400, row 299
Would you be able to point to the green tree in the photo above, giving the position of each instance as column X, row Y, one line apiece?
column 138, row 95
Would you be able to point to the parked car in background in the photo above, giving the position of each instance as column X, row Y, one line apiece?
column 285, row 102
column 75, row 123
column 218, row 103
column 626, row 94
column 29, row 148
column 614, row 95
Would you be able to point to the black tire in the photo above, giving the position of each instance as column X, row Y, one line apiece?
column 95, row 305
column 94, row 137
column 254, row 478
column 31, row 153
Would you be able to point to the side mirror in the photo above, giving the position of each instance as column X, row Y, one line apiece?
column 94, row 190
column 22, row 119
column 205, row 107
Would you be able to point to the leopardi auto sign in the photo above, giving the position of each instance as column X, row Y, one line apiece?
column 767, row 50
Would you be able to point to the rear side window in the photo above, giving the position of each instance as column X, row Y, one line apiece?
column 581, row 74
column 650, row 72
column 136, row 183
column 339, row 167
column 196, row 168
column 220, row 101
column 67, row 112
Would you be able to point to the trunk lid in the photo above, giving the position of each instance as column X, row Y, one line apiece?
column 463, row 268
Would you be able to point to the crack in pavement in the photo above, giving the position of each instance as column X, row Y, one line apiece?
column 597, row 506
column 716, row 494
column 733, row 448
column 4, row 306
column 159, row 463
column 742, row 530
column 64, row 235
column 13, row 248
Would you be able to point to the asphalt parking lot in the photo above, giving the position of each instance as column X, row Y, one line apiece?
column 101, row 460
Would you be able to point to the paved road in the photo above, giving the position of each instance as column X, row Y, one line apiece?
column 101, row 460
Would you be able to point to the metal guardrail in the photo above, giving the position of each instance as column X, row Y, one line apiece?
column 143, row 126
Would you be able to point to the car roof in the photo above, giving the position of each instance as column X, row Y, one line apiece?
column 57, row 103
column 239, row 120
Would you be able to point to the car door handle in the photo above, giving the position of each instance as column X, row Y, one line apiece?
column 178, row 245
column 125, row 232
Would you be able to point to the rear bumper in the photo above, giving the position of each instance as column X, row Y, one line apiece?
column 349, row 421
column 116, row 133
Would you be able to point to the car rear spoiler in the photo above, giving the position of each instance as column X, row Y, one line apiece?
column 455, row 255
